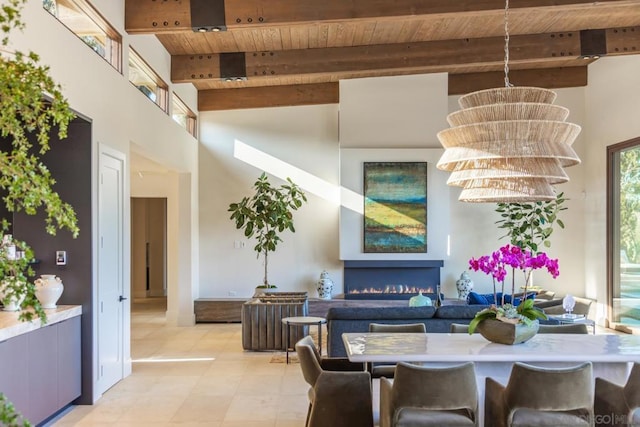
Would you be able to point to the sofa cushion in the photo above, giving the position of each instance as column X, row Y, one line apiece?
column 459, row 311
column 380, row 313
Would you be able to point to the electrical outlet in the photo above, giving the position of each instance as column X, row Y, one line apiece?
column 232, row 293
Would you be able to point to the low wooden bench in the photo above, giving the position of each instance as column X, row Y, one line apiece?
column 218, row 309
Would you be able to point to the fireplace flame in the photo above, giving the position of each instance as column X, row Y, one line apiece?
column 393, row 289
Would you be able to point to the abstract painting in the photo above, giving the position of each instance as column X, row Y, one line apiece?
column 395, row 207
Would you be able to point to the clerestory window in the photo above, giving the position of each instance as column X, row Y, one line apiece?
column 85, row 21
column 183, row 115
column 147, row 81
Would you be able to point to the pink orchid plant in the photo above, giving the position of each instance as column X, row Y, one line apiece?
column 496, row 266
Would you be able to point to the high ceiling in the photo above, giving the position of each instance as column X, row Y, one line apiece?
column 261, row 53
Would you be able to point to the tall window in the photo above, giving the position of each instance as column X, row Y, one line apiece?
column 624, row 232
column 85, row 22
column 183, row 115
column 147, row 81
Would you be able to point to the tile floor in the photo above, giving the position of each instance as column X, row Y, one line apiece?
column 199, row 376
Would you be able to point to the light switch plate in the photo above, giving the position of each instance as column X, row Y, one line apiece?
column 61, row 257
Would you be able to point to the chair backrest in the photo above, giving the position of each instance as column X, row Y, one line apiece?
column 309, row 360
column 582, row 306
column 546, row 295
column 574, row 328
column 550, row 389
column 459, row 328
column 436, row 388
column 632, row 387
column 401, row 327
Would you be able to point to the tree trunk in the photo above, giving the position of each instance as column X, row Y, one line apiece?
column 265, row 282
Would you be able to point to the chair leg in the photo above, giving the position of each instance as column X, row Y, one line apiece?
column 306, row 422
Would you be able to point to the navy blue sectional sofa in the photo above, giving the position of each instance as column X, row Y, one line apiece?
column 357, row 319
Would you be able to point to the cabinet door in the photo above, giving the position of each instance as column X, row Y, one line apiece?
column 43, row 373
column 14, row 372
column 69, row 361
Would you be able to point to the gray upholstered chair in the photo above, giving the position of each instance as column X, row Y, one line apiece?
column 379, row 370
column 573, row 328
column 555, row 306
column 537, row 396
column 616, row 405
column 428, row 396
column 459, row 328
column 340, row 393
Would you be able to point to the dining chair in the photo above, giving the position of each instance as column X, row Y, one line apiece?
column 573, row 328
column 540, row 396
column 429, row 396
column 340, row 390
column 379, row 370
column 618, row 405
column 459, row 328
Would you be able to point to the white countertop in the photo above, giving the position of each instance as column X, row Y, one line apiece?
column 434, row 347
column 11, row 327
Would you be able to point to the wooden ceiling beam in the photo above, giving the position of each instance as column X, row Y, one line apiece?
column 268, row 96
column 549, row 78
column 161, row 16
column 433, row 56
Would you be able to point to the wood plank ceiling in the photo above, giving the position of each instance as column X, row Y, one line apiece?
column 261, row 53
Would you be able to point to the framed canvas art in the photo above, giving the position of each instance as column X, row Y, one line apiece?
column 395, row 207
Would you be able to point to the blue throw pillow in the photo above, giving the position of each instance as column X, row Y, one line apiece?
column 476, row 298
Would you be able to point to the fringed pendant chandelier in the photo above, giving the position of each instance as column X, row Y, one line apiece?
column 508, row 144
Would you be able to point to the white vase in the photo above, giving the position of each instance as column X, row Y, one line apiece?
column 10, row 303
column 464, row 285
column 49, row 288
column 325, row 286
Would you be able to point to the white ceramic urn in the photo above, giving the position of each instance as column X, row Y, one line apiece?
column 464, row 285
column 324, row 286
column 49, row 288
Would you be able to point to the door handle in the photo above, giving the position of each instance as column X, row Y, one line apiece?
column 121, row 298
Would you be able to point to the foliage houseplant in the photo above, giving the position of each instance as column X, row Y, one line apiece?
column 529, row 225
column 31, row 107
column 266, row 214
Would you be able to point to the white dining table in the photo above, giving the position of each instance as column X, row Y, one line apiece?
column 611, row 355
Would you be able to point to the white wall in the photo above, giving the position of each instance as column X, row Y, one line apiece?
column 120, row 114
column 302, row 143
column 398, row 112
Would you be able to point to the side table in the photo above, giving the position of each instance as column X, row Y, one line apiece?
column 304, row 320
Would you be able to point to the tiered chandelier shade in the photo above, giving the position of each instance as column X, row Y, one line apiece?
column 508, row 145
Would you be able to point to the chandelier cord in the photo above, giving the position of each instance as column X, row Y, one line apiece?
column 507, row 83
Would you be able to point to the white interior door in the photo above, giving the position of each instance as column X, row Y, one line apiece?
column 110, row 274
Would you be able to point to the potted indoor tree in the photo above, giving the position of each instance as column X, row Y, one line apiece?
column 266, row 214
column 529, row 225
column 32, row 106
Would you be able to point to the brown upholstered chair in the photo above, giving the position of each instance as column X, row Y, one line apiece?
column 537, row 396
column 340, row 393
column 379, row 370
column 573, row 328
column 616, row 405
column 428, row 396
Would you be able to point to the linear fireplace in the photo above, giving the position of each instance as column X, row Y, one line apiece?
column 391, row 279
